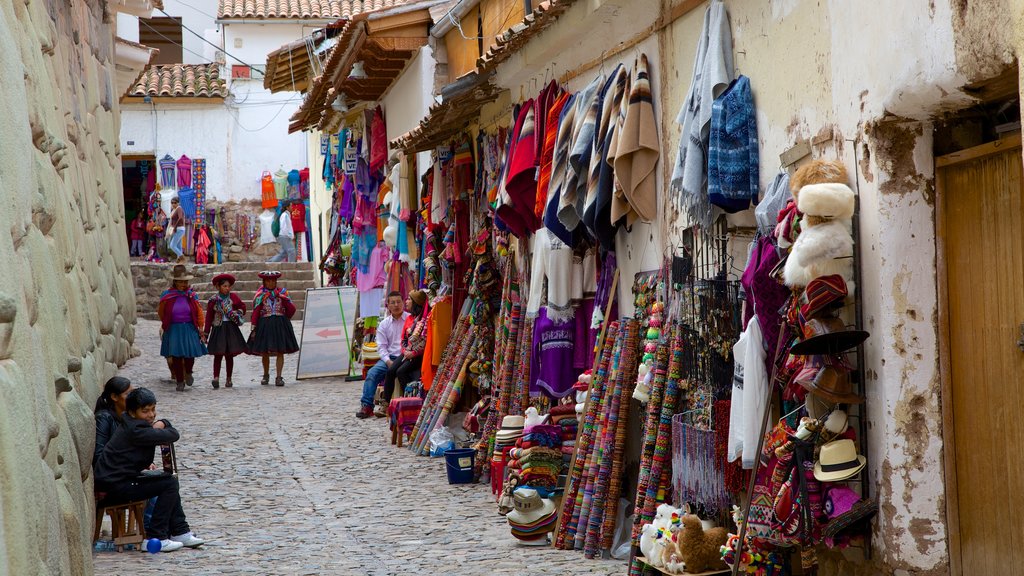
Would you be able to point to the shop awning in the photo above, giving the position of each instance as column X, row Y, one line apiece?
column 291, row 67
column 384, row 41
column 462, row 100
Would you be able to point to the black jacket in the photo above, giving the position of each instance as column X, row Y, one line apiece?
column 130, row 450
column 106, row 424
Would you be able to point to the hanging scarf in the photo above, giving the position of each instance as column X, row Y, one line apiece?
column 262, row 294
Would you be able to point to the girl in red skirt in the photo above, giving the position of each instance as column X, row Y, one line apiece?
column 272, row 333
column 225, row 312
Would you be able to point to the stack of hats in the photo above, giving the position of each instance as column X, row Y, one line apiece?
column 564, row 416
column 511, row 431
column 532, row 518
column 538, row 456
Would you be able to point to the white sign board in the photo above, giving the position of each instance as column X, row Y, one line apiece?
column 327, row 332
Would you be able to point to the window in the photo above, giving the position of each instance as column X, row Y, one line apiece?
column 163, row 34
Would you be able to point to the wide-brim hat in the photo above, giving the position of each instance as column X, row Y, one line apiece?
column 830, row 382
column 269, row 274
column 179, row 272
column 838, row 461
column 827, row 336
column 822, row 294
column 222, row 278
column 529, row 507
column 860, row 511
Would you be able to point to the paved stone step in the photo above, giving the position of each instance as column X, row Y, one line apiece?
column 254, row 285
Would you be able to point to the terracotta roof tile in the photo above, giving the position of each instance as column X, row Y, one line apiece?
column 300, row 9
column 170, row 80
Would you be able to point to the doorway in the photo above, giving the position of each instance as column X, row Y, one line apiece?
column 138, row 179
column 980, row 232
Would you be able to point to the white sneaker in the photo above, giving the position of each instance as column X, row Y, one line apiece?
column 188, row 539
column 170, row 545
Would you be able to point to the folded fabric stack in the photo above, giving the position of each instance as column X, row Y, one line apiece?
column 565, row 417
column 538, row 455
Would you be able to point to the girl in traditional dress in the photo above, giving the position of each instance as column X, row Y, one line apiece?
column 272, row 333
column 181, row 316
column 225, row 312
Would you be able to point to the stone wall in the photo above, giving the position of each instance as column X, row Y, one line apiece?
column 67, row 305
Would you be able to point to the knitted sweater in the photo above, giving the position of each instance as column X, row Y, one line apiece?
column 732, row 150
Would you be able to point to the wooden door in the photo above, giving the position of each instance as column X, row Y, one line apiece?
column 981, row 236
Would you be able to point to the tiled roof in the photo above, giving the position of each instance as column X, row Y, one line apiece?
column 300, row 9
column 170, row 80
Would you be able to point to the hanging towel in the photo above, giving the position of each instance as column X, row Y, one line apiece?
column 184, row 172
column 712, row 72
column 733, row 177
column 637, row 152
column 588, row 108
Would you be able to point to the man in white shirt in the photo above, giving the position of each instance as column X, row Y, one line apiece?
column 389, row 344
column 286, row 237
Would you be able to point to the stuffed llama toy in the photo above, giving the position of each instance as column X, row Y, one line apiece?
column 824, row 245
column 700, row 549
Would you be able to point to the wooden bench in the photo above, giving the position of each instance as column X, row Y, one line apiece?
column 126, row 523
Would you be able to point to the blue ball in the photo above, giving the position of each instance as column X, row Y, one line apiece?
column 153, row 545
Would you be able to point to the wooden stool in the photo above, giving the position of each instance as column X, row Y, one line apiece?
column 402, row 415
column 126, row 523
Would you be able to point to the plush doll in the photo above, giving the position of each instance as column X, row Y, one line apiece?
column 670, row 556
column 700, row 549
column 533, row 418
column 642, row 392
column 648, row 534
column 824, row 245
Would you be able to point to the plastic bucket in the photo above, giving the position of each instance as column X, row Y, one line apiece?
column 459, row 465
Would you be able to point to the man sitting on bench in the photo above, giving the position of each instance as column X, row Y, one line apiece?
column 123, row 471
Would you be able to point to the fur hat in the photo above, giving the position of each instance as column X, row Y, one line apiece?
column 821, row 250
column 818, row 172
column 828, row 200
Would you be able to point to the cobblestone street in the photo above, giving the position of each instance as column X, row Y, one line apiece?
column 288, row 481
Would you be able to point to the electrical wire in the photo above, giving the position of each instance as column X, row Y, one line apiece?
column 182, row 46
column 201, row 37
column 182, row 2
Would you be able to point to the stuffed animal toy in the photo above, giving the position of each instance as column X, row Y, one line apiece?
column 642, row 392
column 661, row 544
column 700, row 549
column 648, row 534
column 533, row 418
column 670, row 556
column 824, row 245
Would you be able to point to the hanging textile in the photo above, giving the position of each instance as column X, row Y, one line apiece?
column 712, row 72
column 187, row 201
column 574, row 191
column 199, row 185
column 184, row 166
column 378, row 141
column 281, row 184
column 304, row 183
column 293, row 184
column 733, row 177
column 167, row 167
column 636, row 153
column 597, row 209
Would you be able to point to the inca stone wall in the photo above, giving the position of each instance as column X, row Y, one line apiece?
column 67, row 306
